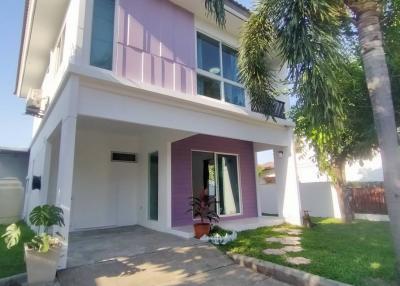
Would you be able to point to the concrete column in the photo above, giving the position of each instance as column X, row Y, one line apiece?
column 258, row 190
column 168, row 186
column 289, row 203
column 65, row 179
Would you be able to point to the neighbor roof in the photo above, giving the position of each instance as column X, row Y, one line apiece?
column 13, row 150
column 237, row 6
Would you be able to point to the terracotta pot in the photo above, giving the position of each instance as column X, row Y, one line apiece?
column 201, row 229
column 41, row 267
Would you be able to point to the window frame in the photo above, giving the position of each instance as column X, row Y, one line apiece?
column 220, row 78
column 215, row 154
column 89, row 41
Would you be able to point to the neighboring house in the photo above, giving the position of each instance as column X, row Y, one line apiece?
column 137, row 107
column 13, row 169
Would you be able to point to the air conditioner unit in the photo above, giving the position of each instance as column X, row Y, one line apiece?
column 34, row 103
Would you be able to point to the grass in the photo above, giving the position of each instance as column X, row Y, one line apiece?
column 12, row 260
column 359, row 253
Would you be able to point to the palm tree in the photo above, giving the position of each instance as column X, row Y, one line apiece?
column 306, row 34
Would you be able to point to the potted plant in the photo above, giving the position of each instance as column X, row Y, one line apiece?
column 203, row 208
column 43, row 251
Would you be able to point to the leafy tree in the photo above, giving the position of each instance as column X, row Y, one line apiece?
column 356, row 140
column 391, row 31
column 306, row 34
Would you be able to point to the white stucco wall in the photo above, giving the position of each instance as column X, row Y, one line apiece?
column 320, row 199
column 13, row 172
column 317, row 194
column 268, row 198
column 104, row 192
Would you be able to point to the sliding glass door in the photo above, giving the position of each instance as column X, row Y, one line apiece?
column 228, row 185
column 219, row 175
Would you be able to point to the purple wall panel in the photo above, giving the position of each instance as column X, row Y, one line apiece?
column 157, row 39
column 181, row 169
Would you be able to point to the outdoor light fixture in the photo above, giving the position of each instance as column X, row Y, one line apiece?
column 280, row 154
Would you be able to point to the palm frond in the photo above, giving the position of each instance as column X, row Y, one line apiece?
column 216, row 9
column 255, row 69
column 304, row 34
column 308, row 39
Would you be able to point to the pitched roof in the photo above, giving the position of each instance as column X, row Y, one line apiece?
column 238, row 6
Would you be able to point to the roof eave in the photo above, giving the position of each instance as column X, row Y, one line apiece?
column 22, row 50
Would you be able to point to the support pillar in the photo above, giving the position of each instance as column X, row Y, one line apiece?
column 289, row 203
column 65, row 180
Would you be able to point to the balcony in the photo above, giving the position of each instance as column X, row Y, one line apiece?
column 279, row 109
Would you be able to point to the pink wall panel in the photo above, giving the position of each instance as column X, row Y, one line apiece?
column 163, row 36
column 184, row 79
column 133, row 70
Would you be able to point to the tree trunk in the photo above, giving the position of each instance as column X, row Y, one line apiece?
column 339, row 185
column 371, row 41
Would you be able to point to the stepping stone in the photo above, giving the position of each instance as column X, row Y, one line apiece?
column 287, row 240
column 288, row 230
column 274, row 251
column 292, row 248
column 295, row 232
column 273, row 239
column 281, row 229
column 298, row 260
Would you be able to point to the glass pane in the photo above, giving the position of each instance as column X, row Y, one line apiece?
column 153, row 186
column 228, row 185
column 234, row 94
column 229, row 63
column 208, row 54
column 102, row 34
column 208, row 87
column 203, row 174
column 101, row 54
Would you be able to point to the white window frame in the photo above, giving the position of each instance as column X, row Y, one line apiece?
column 215, row 154
column 220, row 78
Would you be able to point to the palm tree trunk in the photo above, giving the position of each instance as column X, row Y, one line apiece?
column 371, row 41
column 339, row 185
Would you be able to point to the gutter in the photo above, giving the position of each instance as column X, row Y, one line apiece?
column 22, row 43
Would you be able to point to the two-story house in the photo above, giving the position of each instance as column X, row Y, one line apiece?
column 138, row 107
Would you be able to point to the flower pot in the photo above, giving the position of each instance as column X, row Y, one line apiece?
column 201, row 229
column 41, row 267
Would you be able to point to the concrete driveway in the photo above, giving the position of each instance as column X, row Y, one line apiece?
column 151, row 258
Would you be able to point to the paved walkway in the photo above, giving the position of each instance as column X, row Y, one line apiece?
column 172, row 261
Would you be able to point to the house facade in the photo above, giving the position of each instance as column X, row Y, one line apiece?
column 138, row 107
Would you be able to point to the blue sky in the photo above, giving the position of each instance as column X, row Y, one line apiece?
column 15, row 127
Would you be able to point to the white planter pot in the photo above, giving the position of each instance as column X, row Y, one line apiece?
column 41, row 267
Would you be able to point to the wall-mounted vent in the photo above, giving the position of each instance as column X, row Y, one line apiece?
column 123, row 157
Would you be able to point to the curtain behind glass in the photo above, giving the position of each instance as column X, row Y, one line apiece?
column 228, row 184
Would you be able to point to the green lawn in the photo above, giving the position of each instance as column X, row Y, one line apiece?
column 360, row 253
column 12, row 260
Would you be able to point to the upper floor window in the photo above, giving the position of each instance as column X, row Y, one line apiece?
column 217, row 73
column 101, row 53
column 59, row 50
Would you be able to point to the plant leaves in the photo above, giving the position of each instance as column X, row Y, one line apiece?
column 12, row 235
